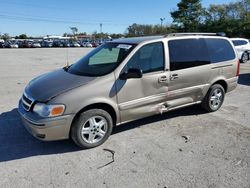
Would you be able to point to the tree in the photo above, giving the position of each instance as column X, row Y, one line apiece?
column 115, row 36
column 22, row 36
column 232, row 18
column 189, row 15
column 5, row 36
column 135, row 30
column 82, row 33
column 65, row 34
column 74, row 30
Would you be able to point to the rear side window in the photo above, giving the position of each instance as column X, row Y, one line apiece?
column 219, row 50
column 186, row 53
column 239, row 42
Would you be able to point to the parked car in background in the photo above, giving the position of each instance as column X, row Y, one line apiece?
column 57, row 44
column 36, row 45
column 75, row 44
column 242, row 47
column 126, row 80
column 20, row 43
column 46, row 44
column 95, row 44
column 66, row 44
column 11, row 44
column 14, row 45
column 88, row 45
column 27, row 44
column 2, row 44
column 82, row 44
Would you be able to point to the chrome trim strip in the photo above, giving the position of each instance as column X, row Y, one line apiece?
column 222, row 66
column 23, row 101
column 26, row 103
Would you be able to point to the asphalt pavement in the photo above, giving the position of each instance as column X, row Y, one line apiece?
column 182, row 148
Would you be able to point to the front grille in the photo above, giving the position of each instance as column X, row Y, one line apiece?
column 27, row 102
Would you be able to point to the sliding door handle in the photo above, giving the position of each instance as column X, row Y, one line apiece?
column 174, row 76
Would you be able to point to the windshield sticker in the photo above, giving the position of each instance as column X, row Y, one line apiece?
column 124, row 46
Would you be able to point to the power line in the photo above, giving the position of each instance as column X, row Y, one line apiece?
column 17, row 18
column 47, row 20
column 36, row 6
column 75, row 21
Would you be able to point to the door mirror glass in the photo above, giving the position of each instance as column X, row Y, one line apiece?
column 131, row 73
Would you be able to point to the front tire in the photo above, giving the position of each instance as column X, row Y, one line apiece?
column 91, row 128
column 214, row 98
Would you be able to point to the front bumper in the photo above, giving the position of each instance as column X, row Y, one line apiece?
column 47, row 129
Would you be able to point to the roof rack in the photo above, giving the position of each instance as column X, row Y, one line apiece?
column 221, row 34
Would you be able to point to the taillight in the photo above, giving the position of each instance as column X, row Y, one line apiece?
column 238, row 68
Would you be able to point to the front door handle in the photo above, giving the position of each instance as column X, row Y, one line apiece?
column 174, row 76
column 163, row 79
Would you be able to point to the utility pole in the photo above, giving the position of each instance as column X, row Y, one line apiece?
column 162, row 20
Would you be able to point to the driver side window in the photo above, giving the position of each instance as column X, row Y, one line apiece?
column 149, row 58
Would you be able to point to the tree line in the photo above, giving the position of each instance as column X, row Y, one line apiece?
column 232, row 18
column 189, row 16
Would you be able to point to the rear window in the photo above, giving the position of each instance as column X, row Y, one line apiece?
column 239, row 42
column 219, row 50
column 186, row 53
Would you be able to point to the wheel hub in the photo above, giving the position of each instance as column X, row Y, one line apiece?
column 216, row 98
column 94, row 129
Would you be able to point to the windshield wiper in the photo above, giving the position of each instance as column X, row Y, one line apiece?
column 66, row 68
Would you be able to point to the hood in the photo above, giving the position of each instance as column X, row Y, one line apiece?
column 50, row 85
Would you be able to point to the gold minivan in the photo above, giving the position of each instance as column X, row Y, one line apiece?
column 128, row 79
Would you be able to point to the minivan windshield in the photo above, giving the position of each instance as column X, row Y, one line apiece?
column 102, row 60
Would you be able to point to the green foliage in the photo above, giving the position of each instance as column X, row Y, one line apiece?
column 106, row 35
column 232, row 18
column 115, row 36
column 74, row 30
column 22, row 36
column 143, row 30
column 188, row 16
column 65, row 34
column 5, row 36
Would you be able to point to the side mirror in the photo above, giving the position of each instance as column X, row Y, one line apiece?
column 131, row 73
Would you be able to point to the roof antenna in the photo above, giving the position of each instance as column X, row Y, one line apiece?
column 67, row 65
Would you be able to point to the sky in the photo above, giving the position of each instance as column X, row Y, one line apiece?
column 55, row 17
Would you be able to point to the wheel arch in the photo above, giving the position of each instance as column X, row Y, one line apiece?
column 103, row 106
column 223, row 83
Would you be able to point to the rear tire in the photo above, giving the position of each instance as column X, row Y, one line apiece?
column 214, row 98
column 91, row 128
column 245, row 57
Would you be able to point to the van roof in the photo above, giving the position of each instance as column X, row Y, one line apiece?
column 137, row 40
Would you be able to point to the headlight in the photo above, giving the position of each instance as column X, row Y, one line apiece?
column 45, row 110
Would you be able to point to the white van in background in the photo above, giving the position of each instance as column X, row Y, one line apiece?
column 242, row 47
